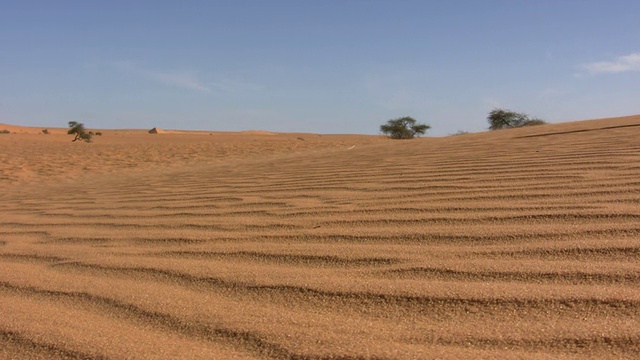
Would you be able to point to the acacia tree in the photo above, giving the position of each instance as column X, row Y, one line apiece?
column 404, row 128
column 504, row 119
column 79, row 131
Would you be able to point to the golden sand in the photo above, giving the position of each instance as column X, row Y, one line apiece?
column 519, row 243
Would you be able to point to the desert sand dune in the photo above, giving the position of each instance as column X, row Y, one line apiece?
column 519, row 243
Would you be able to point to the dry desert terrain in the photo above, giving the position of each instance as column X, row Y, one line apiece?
column 521, row 243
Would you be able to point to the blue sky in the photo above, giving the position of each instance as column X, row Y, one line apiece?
column 315, row 65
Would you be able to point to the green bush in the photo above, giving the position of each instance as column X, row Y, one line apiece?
column 533, row 122
column 460, row 132
column 505, row 119
column 403, row 128
column 77, row 129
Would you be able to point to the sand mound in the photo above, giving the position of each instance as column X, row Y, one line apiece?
column 14, row 129
column 258, row 132
column 489, row 245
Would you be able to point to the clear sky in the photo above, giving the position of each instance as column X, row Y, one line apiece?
column 324, row 66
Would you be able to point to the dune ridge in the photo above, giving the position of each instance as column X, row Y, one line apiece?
column 511, row 244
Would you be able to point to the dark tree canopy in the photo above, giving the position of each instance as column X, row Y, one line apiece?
column 404, row 128
column 79, row 131
column 504, row 119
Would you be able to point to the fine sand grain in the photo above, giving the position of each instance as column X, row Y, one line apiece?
column 519, row 243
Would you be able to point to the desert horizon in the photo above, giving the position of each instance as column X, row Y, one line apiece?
column 516, row 243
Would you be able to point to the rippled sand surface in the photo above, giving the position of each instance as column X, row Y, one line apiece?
column 520, row 243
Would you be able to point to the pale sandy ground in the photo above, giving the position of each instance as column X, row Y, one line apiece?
column 521, row 243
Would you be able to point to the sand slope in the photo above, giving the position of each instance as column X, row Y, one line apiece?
column 513, row 244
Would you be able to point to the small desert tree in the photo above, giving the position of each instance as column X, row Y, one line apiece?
column 504, row 119
column 77, row 129
column 404, row 128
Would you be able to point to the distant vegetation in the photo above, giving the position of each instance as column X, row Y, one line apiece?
column 5, row 131
column 79, row 131
column 505, row 119
column 460, row 132
column 45, row 131
column 404, row 128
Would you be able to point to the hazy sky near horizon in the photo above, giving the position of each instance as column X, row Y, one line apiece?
column 322, row 66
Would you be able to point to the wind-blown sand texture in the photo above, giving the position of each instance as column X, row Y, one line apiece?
column 520, row 243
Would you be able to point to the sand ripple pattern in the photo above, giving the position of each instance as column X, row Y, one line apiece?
column 512, row 244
